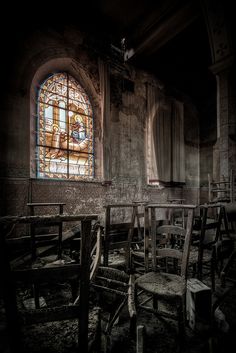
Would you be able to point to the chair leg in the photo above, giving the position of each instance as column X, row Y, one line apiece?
column 181, row 320
column 194, row 267
column 36, row 296
column 155, row 302
column 199, row 270
column 213, row 275
column 135, row 296
column 213, row 269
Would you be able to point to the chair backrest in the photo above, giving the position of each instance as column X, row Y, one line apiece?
column 48, row 230
column 120, row 229
column 170, row 243
column 232, row 186
column 222, row 190
column 96, row 250
column 213, row 218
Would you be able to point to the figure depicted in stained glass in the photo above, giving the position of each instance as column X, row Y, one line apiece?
column 65, row 129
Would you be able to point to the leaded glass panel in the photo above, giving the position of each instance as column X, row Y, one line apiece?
column 65, row 129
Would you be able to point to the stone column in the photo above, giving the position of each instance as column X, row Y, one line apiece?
column 222, row 148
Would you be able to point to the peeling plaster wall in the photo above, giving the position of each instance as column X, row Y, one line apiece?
column 127, row 132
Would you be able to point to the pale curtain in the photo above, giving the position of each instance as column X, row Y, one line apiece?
column 104, row 75
column 165, row 138
column 178, row 155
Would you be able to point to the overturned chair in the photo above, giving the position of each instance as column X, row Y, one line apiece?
column 113, row 289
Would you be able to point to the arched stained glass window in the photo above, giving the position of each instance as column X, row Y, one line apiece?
column 65, row 129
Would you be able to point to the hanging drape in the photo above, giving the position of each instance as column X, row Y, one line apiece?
column 165, row 138
column 178, row 154
column 104, row 75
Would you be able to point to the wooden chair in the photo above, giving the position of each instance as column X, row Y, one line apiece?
column 36, row 239
column 119, row 234
column 177, row 215
column 139, row 263
column 228, row 271
column 170, row 245
column 137, row 250
column 114, row 292
column 49, row 274
column 222, row 190
column 207, row 250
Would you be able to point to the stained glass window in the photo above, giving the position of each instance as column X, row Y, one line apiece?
column 65, row 129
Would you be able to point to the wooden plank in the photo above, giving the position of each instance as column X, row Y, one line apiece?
column 26, row 239
column 146, row 238
column 119, row 205
column 189, row 226
column 131, row 304
column 106, row 238
column 42, row 315
column 140, row 339
column 45, row 203
column 153, row 238
column 47, row 219
column 121, row 226
column 40, row 251
column 96, row 255
column 172, row 205
column 9, row 293
column 212, row 225
column 112, row 282
column 47, row 274
column 118, row 245
column 109, row 290
column 84, row 285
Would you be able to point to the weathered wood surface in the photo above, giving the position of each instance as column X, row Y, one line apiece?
column 42, row 315
column 47, row 219
column 25, row 258
column 48, row 274
column 131, row 304
column 45, row 204
column 116, row 232
column 32, row 226
column 25, row 240
column 140, row 339
column 167, row 286
column 117, row 205
column 9, row 294
column 170, row 205
column 84, row 284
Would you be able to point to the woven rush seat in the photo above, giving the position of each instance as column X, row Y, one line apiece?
column 164, row 284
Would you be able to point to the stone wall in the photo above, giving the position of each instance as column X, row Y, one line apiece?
column 71, row 50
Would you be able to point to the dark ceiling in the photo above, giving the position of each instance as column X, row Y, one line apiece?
column 166, row 37
column 183, row 62
column 169, row 39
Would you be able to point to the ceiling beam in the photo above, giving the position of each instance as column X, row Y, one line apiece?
column 165, row 30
